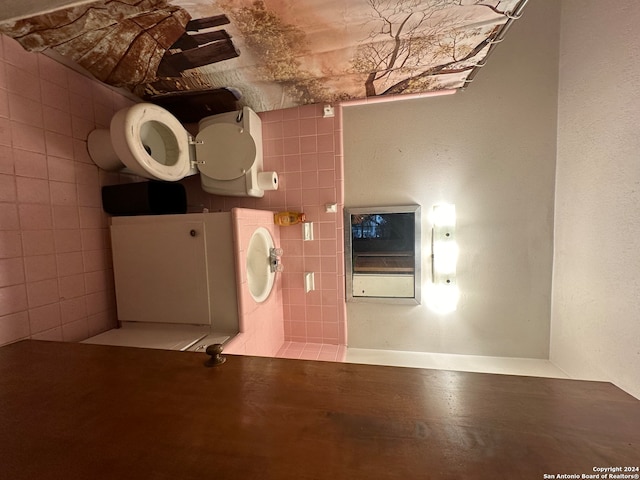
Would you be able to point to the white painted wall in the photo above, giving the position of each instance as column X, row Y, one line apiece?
column 596, row 294
column 491, row 151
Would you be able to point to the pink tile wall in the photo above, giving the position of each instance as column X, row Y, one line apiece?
column 55, row 260
column 261, row 324
column 56, row 278
column 306, row 151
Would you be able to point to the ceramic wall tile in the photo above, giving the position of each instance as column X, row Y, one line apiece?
column 57, row 284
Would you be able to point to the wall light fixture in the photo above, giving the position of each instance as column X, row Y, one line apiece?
column 443, row 293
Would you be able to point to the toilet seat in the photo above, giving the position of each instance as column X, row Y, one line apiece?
column 225, row 151
column 164, row 128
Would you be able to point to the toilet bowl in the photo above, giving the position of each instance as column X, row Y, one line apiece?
column 149, row 141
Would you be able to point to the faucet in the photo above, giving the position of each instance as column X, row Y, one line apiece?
column 275, row 264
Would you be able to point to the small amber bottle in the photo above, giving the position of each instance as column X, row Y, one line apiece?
column 288, row 218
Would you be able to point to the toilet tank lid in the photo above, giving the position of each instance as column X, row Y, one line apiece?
column 225, row 151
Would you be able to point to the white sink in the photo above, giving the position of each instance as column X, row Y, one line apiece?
column 259, row 275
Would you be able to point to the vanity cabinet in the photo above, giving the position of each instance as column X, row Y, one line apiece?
column 160, row 272
column 176, row 269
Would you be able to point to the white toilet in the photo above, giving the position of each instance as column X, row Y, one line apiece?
column 149, row 141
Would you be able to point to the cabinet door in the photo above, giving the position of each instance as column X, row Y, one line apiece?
column 160, row 272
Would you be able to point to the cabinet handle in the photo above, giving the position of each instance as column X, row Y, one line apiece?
column 193, row 233
column 216, row 358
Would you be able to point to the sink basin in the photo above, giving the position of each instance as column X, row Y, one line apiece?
column 259, row 275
